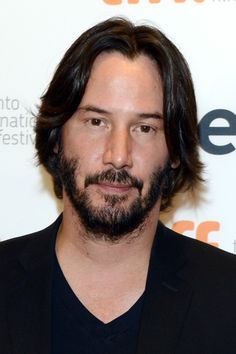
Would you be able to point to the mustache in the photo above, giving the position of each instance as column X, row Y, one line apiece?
column 113, row 176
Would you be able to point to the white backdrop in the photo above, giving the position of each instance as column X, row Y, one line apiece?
column 34, row 36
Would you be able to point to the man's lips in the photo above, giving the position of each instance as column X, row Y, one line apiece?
column 114, row 187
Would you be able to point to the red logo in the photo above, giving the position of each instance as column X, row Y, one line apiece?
column 201, row 231
column 118, row 2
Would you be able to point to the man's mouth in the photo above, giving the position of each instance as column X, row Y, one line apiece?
column 111, row 181
column 114, row 187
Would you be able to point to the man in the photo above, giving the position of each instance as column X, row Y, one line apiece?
column 117, row 130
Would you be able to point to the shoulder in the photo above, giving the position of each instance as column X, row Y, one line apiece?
column 193, row 248
column 12, row 248
column 14, row 244
column 203, row 262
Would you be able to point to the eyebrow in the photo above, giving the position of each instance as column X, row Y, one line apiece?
column 90, row 108
column 155, row 115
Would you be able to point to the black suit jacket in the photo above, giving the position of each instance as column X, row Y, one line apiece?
column 189, row 307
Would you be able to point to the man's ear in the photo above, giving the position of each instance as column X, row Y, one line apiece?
column 175, row 164
column 56, row 135
column 56, row 149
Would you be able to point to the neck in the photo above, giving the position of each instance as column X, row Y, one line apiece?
column 76, row 245
column 107, row 277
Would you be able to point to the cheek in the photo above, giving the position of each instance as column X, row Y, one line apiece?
column 77, row 145
column 149, row 161
column 91, row 151
column 151, row 158
column 89, row 154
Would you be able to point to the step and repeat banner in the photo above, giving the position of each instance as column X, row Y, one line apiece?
column 34, row 36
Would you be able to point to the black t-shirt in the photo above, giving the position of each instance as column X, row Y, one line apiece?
column 76, row 331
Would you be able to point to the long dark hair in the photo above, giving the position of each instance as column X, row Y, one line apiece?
column 179, row 110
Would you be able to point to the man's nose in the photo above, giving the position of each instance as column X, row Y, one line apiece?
column 118, row 150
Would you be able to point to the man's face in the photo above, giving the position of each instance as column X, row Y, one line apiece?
column 114, row 157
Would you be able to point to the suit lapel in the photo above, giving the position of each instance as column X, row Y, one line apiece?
column 29, row 300
column 167, row 297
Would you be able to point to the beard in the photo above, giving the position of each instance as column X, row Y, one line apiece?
column 112, row 220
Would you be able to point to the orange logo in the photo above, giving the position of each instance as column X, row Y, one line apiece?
column 202, row 230
column 118, row 2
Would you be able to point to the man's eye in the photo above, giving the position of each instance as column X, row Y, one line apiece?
column 146, row 129
column 96, row 121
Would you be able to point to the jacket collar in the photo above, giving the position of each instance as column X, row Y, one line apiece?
column 167, row 297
